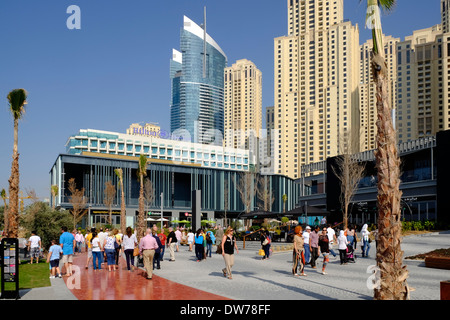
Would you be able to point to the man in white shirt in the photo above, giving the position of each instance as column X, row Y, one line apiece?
column 102, row 236
column 332, row 239
column 306, row 234
column 34, row 246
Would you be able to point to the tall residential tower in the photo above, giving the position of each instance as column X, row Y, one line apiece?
column 243, row 103
column 316, row 104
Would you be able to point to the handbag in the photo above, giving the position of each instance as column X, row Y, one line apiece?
column 136, row 252
column 266, row 241
column 261, row 252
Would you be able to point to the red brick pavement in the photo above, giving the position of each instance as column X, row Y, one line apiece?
column 125, row 285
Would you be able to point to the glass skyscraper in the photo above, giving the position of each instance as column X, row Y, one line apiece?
column 197, row 105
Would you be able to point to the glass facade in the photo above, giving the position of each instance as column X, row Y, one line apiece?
column 197, row 104
column 176, row 182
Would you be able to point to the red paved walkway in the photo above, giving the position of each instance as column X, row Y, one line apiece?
column 124, row 285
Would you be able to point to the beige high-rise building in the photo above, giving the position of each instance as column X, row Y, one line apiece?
column 316, row 78
column 445, row 15
column 423, row 76
column 367, row 90
column 243, row 104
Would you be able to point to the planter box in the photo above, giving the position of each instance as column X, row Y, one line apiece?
column 439, row 263
column 445, row 290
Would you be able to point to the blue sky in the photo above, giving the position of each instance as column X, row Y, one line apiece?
column 114, row 71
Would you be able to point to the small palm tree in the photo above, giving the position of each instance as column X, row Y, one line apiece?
column 119, row 174
column 142, row 172
column 17, row 99
column 54, row 190
column 284, row 198
column 389, row 259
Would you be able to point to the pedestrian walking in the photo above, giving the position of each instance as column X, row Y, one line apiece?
column 199, row 248
column 219, row 236
column 365, row 233
column 228, row 246
column 171, row 243
column 190, row 239
column 110, row 250
column 156, row 260
column 54, row 255
column 88, row 243
column 332, row 239
column 67, row 242
column 210, row 239
column 147, row 247
column 324, row 242
column 306, row 246
column 129, row 242
column 117, row 245
column 314, row 246
column 342, row 246
column 79, row 239
column 34, row 246
column 162, row 238
column 298, row 256
column 96, row 251
column 265, row 243
column 102, row 235
column 178, row 236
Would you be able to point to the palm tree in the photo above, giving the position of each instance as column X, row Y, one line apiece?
column 389, row 259
column 142, row 173
column 119, row 173
column 17, row 99
column 284, row 198
column 54, row 190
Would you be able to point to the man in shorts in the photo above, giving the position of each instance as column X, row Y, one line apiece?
column 67, row 241
column 34, row 246
column 54, row 254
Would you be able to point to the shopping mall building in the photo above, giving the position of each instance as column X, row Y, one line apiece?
column 175, row 168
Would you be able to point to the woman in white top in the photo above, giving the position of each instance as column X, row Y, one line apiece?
column 342, row 246
column 129, row 242
column 96, row 251
column 190, row 239
column 110, row 250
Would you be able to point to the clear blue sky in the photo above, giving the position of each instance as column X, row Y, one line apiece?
column 115, row 70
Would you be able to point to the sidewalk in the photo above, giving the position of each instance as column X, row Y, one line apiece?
column 253, row 279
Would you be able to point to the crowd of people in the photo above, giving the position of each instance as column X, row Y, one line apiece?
column 104, row 247
column 310, row 244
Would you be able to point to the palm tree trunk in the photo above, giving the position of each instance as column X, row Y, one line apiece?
column 389, row 258
column 122, row 211
column 141, row 217
column 13, row 212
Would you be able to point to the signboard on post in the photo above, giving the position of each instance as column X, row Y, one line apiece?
column 10, row 267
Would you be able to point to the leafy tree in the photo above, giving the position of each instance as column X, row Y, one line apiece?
column 46, row 222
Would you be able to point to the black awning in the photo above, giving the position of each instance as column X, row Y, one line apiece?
column 308, row 211
column 259, row 215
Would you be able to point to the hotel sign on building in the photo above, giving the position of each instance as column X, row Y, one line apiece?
column 148, row 130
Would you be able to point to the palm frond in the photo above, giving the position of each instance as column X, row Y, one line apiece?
column 17, row 99
column 143, row 164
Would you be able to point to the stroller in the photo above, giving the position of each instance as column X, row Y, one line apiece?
column 351, row 257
